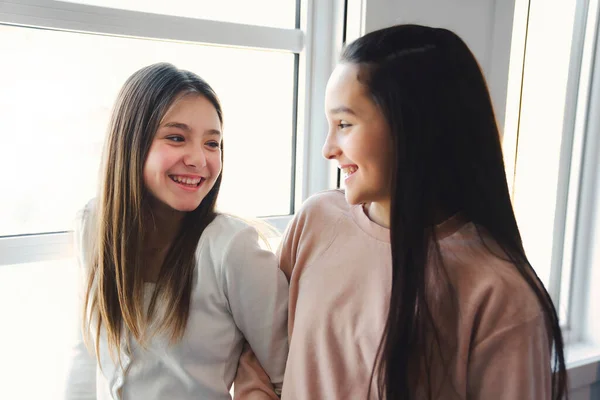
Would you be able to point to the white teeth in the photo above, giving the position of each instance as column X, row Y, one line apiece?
column 185, row 180
column 348, row 171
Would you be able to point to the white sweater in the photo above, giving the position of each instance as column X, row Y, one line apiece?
column 239, row 293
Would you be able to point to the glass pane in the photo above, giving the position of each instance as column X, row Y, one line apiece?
column 541, row 133
column 274, row 13
column 54, row 120
column 38, row 308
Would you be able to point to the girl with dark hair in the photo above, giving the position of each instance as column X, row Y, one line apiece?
column 413, row 282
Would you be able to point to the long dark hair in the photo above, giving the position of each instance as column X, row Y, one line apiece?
column 448, row 159
column 114, row 295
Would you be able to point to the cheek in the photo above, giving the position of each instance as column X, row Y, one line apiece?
column 357, row 147
column 149, row 172
column 160, row 159
column 377, row 152
column 215, row 165
column 363, row 149
column 158, row 162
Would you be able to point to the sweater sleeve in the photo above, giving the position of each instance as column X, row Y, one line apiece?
column 257, row 292
column 513, row 362
column 251, row 380
column 81, row 378
column 287, row 253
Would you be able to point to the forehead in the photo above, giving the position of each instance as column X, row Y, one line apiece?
column 344, row 88
column 193, row 108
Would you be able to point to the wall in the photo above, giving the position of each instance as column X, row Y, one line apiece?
column 485, row 25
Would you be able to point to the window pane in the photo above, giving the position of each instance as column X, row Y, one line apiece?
column 38, row 308
column 541, row 134
column 54, row 120
column 274, row 13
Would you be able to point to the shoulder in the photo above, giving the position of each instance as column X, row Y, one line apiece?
column 313, row 229
column 492, row 291
column 323, row 203
column 319, row 214
column 227, row 224
column 83, row 227
column 83, row 216
column 227, row 233
column 235, row 248
column 321, row 210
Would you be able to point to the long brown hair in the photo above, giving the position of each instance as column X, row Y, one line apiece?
column 114, row 296
column 448, row 158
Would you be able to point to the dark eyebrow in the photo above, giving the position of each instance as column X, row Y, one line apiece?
column 178, row 125
column 213, row 132
column 342, row 109
column 185, row 127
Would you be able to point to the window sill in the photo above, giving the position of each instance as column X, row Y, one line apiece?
column 583, row 364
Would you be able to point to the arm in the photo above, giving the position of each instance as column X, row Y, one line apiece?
column 512, row 363
column 81, row 378
column 257, row 292
column 251, row 380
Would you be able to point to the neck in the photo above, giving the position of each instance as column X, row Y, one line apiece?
column 163, row 226
column 379, row 212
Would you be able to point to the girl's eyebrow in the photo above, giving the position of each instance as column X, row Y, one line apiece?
column 214, row 132
column 342, row 109
column 178, row 125
column 185, row 127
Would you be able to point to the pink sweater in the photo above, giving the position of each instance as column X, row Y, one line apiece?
column 494, row 342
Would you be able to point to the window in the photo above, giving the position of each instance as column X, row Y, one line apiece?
column 275, row 13
column 38, row 306
column 50, row 111
column 552, row 63
column 62, row 66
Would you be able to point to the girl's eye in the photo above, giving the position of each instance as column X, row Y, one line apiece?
column 176, row 138
column 214, row 145
column 343, row 125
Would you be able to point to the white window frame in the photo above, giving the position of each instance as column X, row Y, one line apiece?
column 578, row 207
column 568, row 184
column 577, row 214
column 316, row 41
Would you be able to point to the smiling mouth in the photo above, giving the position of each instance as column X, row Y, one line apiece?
column 349, row 171
column 190, row 182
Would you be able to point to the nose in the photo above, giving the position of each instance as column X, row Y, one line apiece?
column 331, row 149
column 195, row 158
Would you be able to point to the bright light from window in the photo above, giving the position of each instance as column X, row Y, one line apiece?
column 274, row 13
column 57, row 92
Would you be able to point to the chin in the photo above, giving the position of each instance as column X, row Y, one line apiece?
column 182, row 206
column 186, row 207
column 351, row 198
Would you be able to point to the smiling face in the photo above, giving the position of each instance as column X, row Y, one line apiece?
column 184, row 160
column 358, row 138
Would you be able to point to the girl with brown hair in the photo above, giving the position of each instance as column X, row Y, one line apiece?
column 172, row 288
